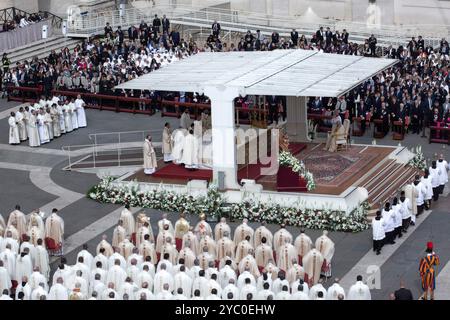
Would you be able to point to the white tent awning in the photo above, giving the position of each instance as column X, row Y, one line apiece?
column 278, row 72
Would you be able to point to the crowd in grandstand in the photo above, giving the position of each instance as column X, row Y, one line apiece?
column 21, row 21
column 415, row 91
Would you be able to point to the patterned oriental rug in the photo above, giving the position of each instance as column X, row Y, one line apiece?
column 331, row 169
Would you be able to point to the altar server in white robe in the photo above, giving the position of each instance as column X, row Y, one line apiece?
column 326, row 247
column 73, row 115
column 335, row 290
column 42, row 127
column 33, row 130
column 58, row 291
column 444, row 167
column 23, row 135
column 150, row 163
column 81, row 114
column 67, row 117
column 185, row 120
column 167, row 143
column 190, row 152
column 61, row 116
column 359, row 291
column 178, row 145
column 49, row 122
column 14, row 137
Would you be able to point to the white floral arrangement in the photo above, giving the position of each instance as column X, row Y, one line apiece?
column 215, row 205
column 418, row 161
column 286, row 159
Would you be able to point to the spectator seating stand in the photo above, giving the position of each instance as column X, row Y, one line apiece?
column 398, row 130
column 378, row 132
column 439, row 135
column 357, row 130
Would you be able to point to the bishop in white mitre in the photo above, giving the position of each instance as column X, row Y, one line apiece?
column 81, row 114
column 54, row 233
column 262, row 232
column 18, row 219
column 221, row 228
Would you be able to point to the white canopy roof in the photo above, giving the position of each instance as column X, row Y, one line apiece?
column 279, row 72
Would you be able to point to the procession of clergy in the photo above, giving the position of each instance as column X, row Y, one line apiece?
column 183, row 146
column 182, row 262
column 48, row 119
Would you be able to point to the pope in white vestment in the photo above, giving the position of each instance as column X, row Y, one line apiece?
column 14, row 137
column 178, row 144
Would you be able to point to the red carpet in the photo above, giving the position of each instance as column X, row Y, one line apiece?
column 250, row 171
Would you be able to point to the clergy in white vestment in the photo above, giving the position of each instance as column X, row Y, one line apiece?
column 226, row 273
column 36, row 277
column 42, row 127
column 119, row 234
column 164, row 294
column 54, row 233
column 33, row 131
column 106, row 246
column 167, row 143
column 181, row 228
column 190, row 240
column 281, row 237
column 190, row 157
column 263, row 254
column 202, row 227
column 68, row 125
column 286, row 254
column 302, row 244
column 41, row 258
column 443, row 166
column 242, row 232
column 5, row 279
column 249, row 263
column 144, row 230
column 116, row 275
column 20, row 120
column 147, row 249
column 359, row 291
column 188, row 256
column 12, row 237
column 61, row 116
column 201, row 283
column 335, row 290
column 81, row 114
column 207, row 241
column 58, row 291
column 26, row 117
column 185, row 120
column 326, row 247
column 178, row 145
column 295, row 272
column 14, row 137
column 312, row 263
column 205, row 258
column 162, row 277
column 35, row 220
column 225, row 247
column 163, row 222
column 126, row 248
column 221, row 228
column 73, row 115
column 87, row 256
column 18, row 219
column 183, row 281
column 262, row 232
column 242, row 249
column 24, row 265
column 8, row 257
column 39, row 293
column 230, row 291
column 56, row 123
column 128, row 220
column 317, row 291
column 150, row 162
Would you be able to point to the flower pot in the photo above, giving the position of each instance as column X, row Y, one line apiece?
column 290, row 181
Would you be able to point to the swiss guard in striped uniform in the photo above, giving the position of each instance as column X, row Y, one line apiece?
column 427, row 271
